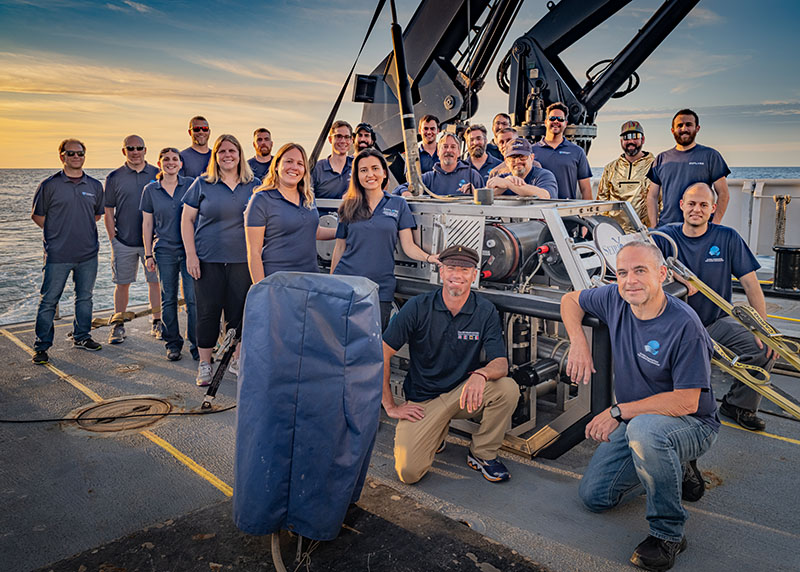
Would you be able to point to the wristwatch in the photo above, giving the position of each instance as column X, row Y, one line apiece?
column 616, row 413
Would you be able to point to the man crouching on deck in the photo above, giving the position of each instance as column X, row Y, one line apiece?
column 665, row 414
column 445, row 330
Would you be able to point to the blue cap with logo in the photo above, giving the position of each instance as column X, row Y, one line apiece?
column 518, row 147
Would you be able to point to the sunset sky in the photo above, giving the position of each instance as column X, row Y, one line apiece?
column 101, row 70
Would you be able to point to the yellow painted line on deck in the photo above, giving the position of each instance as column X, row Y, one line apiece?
column 762, row 433
column 783, row 318
column 66, row 377
column 226, row 489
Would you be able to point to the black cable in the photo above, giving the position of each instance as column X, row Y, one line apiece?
column 115, row 417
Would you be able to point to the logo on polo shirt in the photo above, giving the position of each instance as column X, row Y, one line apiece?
column 715, row 254
column 652, row 347
column 394, row 213
column 85, row 194
column 468, row 336
column 565, row 153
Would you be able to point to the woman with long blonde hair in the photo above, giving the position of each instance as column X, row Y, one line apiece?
column 212, row 227
column 370, row 223
column 281, row 221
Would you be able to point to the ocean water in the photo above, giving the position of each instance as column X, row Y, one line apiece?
column 21, row 244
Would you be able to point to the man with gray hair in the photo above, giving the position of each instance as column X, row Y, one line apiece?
column 665, row 415
column 450, row 176
column 123, row 220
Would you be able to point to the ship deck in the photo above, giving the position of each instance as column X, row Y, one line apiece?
column 159, row 498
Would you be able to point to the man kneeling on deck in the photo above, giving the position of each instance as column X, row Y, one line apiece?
column 446, row 329
column 665, row 415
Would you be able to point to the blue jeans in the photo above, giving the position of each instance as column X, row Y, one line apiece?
column 170, row 267
column 54, row 279
column 647, row 452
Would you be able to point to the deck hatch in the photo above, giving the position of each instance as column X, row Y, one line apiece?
column 121, row 414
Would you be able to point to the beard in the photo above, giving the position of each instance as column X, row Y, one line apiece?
column 632, row 150
column 519, row 171
column 684, row 138
column 361, row 145
column 477, row 151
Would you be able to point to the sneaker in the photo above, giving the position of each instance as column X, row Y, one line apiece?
column 173, row 354
column 87, row 344
column 493, row 470
column 442, row 445
column 203, row 374
column 117, row 335
column 40, row 358
column 195, row 353
column 656, row 554
column 156, row 328
column 693, row 486
column 744, row 417
column 234, row 367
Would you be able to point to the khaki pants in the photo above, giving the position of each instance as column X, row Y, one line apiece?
column 415, row 443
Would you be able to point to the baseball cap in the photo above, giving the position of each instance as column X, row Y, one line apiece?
column 458, row 255
column 631, row 127
column 518, row 147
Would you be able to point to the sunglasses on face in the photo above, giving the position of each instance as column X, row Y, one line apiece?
column 134, row 147
column 73, row 153
column 199, row 129
column 557, row 118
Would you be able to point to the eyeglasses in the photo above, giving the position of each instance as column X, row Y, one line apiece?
column 341, row 137
column 634, row 135
column 558, row 118
column 73, row 153
column 199, row 129
column 134, row 147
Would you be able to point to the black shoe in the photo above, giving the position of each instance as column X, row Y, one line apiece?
column 195, row 354
column 40, row 358
column 87, row 344
column 744, row 417
column 693, row 486
column 173, row 354
column 656, row 554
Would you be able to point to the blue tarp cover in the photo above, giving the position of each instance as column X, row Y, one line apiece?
column 309, row 397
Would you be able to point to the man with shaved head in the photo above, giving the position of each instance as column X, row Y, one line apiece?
column 715, row 253
column 123, row 220
column 665, row 415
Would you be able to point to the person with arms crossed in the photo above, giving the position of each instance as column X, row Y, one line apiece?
column 445, row 330
column 665, row 415
column 714, row 253
column 523, row 178
column 161, row 206
column 123, row 221
column 450, row 176
column 67, row 206
column 625, row 178
column 370, row 223
column 675, row 169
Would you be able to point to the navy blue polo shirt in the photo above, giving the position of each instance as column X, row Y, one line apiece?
column 444, row 348
column 713, row 257
column 259, row 169
column 166, row 211
column 123, row 193
column 69, row 210
column 290, row 233
column 537, row 177
column 426, row 160
column 443, row 183
column 567, row 162
column 327, row 183
column 668, row 352
column 490, row 163
column 676, row 170
column 194, row 162
column 219, row 228
column 493, row 150
column 370, row 244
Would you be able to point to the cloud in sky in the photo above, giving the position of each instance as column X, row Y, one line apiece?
column 138, row 6
column 700, row 17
